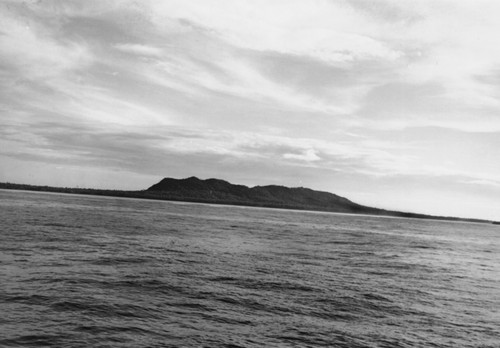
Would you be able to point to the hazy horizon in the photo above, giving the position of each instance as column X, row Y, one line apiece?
column 391, row 104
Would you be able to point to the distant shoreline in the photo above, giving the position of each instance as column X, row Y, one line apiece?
column 152, row 195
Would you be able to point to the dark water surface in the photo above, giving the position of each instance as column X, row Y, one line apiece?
column 78, row 271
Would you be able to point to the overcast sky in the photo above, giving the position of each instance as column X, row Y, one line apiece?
column 394, row 104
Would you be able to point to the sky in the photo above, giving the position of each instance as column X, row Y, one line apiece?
column 390, row 103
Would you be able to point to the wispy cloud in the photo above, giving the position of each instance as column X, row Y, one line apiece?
column 143, row 50
column 31, row 50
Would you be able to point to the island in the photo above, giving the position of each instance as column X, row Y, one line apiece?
column 217, row 191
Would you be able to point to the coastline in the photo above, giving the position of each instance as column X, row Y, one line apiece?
column 152, row 195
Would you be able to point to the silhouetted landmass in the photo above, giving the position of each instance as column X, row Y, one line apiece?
column 217, row 191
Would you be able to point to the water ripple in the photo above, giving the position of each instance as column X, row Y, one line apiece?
column 89, row 271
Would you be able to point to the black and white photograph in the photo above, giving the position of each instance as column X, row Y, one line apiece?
column 250, row 173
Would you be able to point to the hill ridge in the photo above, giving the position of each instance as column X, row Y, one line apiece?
column 265, row 195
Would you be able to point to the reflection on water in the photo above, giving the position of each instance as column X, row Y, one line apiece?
column 92, row 271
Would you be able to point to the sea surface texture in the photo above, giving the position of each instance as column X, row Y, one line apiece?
column 83, row 271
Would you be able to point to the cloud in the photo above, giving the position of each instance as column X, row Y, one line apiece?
column 387, row 43
column 307, row 156
column 140, row 49
column 483, row 182
column 30, row 49
column 333, row 58
column 321, row 29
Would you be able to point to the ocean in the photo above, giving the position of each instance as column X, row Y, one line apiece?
column 87, row 271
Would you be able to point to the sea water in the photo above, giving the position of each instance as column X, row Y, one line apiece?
column 86, row 271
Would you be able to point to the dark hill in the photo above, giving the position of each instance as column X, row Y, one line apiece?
column 220, row 191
